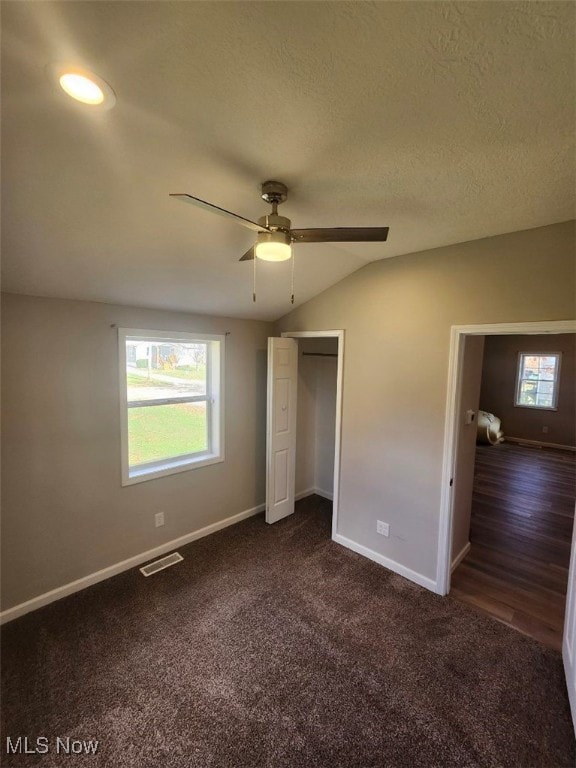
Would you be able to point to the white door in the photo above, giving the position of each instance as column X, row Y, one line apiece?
column 569, row 644
column 281, row 428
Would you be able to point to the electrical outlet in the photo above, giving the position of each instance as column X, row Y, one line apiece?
column 382, row 528
column 545, row 430
column 159, row 519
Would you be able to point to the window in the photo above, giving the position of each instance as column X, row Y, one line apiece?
column 538, row 376
column 171, row 402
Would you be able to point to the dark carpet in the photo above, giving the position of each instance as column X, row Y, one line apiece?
column 273, row 646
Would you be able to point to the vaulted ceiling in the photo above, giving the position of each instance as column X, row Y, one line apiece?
column 446, row 122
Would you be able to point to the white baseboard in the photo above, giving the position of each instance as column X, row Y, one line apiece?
column 392, row 565
column 538, row 443
column 459, row 557
column 303, row 494
column 310, row 491
column 76, row 586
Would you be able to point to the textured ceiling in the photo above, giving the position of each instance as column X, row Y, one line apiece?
column 444, row 121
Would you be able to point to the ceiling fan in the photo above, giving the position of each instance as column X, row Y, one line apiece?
column 275, row 235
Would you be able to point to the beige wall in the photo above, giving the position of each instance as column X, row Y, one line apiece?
column 65, row 514
column 499, row 388
column 397, row 315
column 326, row 379
column 315, row 444
column 305, row 424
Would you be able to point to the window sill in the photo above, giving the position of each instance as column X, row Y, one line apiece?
column 537, row 407
column 141, row 475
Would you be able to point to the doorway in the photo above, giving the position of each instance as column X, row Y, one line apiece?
column 515, row 479
column 460, row 363
column 450, row 470
column 318, row 423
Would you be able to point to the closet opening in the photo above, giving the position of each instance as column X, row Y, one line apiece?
column 318, row 423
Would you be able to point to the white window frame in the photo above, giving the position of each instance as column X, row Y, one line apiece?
column 556, row 381
column 214, row 404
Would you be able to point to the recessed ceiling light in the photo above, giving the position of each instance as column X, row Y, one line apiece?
column 84, row 86
column 81, row 88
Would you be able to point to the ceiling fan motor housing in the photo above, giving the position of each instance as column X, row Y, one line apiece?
column 274, row 222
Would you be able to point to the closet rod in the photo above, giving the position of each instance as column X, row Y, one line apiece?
column 321, row 354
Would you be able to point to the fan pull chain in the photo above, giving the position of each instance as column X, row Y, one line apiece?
column 292, row 297
column 254, row 284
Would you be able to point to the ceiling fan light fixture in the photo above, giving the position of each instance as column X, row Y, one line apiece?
column 274, row 246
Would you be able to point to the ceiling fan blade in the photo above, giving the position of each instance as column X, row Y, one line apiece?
column 340, row 235
column 254, row 226
column 249, row 255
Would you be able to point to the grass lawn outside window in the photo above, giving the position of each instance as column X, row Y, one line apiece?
column 166, row 431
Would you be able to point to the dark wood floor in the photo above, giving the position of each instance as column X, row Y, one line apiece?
column 521, row 532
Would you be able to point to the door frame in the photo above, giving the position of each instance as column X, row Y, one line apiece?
column 458, row 335
column 339, row 334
